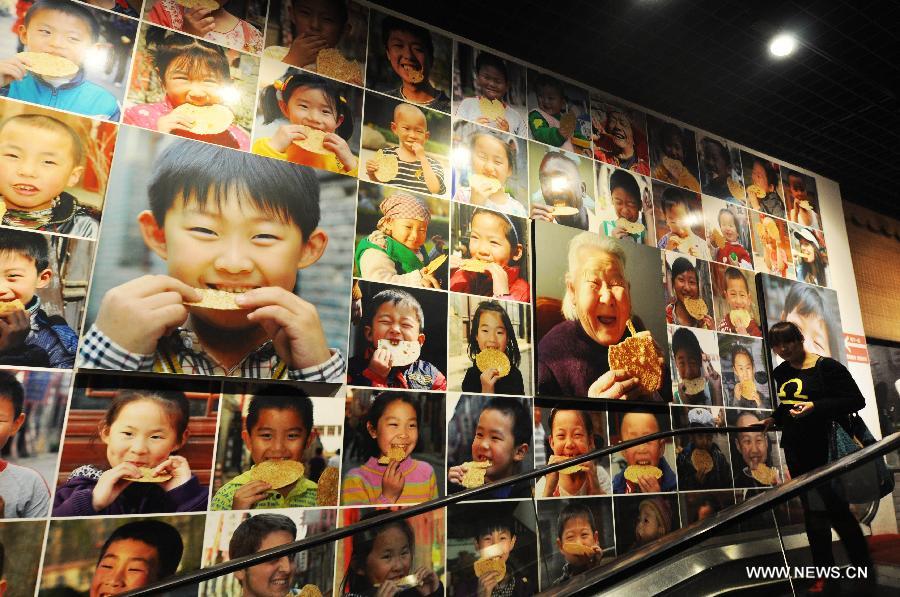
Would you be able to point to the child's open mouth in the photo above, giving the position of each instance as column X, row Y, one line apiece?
column 26, row 189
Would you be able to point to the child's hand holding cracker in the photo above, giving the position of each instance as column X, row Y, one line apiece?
column 174, row 121
column 428, row 580
column 456, row 474
column 178, row 468
column 381, row 362
column 13, row 68
column 305, row 49
column 292, row 323
column 247, row 496
column 198, row 21
column 14, row 329
column 499, row 277
column 392, row 482
column 138, row 313
column 487, row 582
column 371, row 169
column 112, row 483
column 339, row 147
column 285, row 135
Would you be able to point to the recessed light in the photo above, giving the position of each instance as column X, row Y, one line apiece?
column 782, row 45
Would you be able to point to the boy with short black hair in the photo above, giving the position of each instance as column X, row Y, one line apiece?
column 409, row 49
column 576, row 525
column 279, row 426
column 396, row 316
column 28, row 335
column 36, row 196
column 198, row 215
column 67, row 30
column 137, row 554
column 625, row 196
column 23, row 493
column 258, row 533
column 502, row 437
column 497, row 539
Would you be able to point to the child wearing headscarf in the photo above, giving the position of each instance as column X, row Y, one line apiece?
column 395, row 251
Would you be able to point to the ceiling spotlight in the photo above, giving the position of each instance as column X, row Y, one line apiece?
column 782, row 45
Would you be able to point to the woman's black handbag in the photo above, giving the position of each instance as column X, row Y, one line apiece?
column 867, row 482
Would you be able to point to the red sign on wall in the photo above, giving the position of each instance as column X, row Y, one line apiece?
column 856, row 348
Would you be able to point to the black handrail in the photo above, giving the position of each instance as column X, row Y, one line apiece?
column 209, row 572
column 622, row 566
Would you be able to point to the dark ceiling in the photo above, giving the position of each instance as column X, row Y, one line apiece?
column 831, row 107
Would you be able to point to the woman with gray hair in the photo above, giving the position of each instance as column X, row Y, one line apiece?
column 573, row 356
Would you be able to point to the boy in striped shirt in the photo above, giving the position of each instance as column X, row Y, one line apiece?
column 417, row 171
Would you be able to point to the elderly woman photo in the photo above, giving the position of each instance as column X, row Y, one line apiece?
column 597, row 304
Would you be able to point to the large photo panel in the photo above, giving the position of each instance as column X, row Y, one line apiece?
column 585, row 297
column 245, row 270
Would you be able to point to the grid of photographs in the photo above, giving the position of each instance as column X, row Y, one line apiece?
column 272, row 267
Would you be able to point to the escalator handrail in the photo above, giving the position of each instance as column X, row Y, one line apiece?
column 681, row 539
column 227, row 567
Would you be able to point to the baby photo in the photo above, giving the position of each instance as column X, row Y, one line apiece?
column 727, row 232
column 813, row 309
column 561, row 187
column 409, row 62
column 41, row 311
column 155, row 549
column 404, row 557
column 21, row 544
column 490, row 169
column 401, row 237
column 85, row 75
column 771, row 245
column 673, row 154
column 489, row 439
column 192, row 88
column 489, row 253
column 576, row 536
column 72, row 156
column 32, row 409
column 564, row 433
column 643, row 468
column 703, row 458
column 231, row 535
column 641, row 520
column 619, row 134
column 489, row 90
column 277, row 448
column 244, row 271
column 321, row 36
column 236, row 24
column 702, row 505
column 745, row 380
column 678, row 215
column 490, row 346
column 587, row 307
column 696, row 371
column 734, row 292
column 762, row 179
column 406, row 146
column 398, row 338
column 753, row 453
column 720, row 169
column 801, row 199
column 625, row 205
column 307, row 119
column 688, row 293
column 558, row 113
column 155, row 448
column 393, row 448
column 810, row 255
column 492, row 548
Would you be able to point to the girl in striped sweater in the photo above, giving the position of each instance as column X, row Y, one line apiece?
column 390, row 475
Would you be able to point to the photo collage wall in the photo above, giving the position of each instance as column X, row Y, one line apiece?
column 271, row 267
